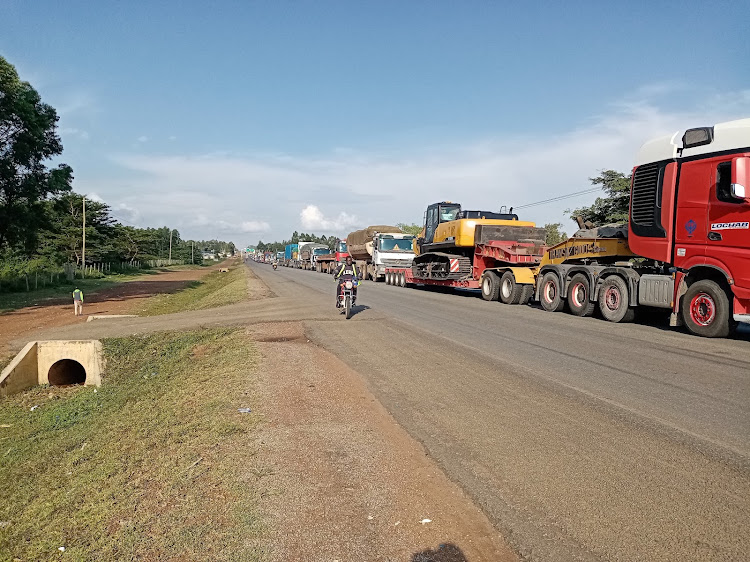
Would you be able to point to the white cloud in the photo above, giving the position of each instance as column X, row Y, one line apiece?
column 254, row 226
column 172, row 137
column 245, row 194
column 312, row 219
column 142, row 138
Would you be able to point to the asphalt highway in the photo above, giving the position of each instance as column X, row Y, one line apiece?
column 581, row 439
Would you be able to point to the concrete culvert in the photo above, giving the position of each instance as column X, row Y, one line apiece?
column 66, row 371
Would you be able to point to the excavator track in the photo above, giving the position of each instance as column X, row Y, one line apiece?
column 441, row 266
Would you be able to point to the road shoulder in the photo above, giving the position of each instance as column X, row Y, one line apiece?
column 343, row 480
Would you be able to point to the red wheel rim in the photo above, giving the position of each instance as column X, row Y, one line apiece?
column 702, row 309
column 612, row 298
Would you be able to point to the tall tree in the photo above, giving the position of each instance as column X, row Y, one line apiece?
column 413, row 228
column 554, row 233
column 612, row 208
column 28, row 138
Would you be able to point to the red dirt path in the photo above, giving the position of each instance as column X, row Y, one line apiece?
column 119, row 299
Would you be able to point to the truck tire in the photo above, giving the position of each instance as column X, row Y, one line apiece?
column 389, row 278
column 705, row 310
column 527, row 292
column 614, row 300
column 402, row 280
column 510, row 291
column 579, row 296
column 549, row 296
column 490, row 286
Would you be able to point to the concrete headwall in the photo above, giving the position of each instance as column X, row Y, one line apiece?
column 22, row 372
column 32, row 365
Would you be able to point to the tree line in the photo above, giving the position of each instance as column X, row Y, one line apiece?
column 41, row 217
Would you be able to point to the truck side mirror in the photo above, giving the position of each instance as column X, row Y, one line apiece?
column 740, row 177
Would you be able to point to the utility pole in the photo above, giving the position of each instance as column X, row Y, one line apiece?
column 192, row 252
column 83, row 252
column 170, row 246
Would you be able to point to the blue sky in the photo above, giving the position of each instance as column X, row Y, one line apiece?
column 248, row 120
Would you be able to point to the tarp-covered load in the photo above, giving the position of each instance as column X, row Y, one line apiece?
column 359, row 242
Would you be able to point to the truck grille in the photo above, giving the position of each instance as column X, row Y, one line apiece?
column 397, row 262
column 645, row 190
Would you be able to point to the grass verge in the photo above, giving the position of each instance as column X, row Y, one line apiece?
column 215, row 289
column 147, row 467
column 64, row 292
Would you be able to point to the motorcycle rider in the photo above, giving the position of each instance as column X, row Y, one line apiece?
column 347, row 272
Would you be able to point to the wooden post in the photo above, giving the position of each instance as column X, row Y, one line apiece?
column 83, row 252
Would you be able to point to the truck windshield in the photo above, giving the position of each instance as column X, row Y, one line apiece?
column 342, row 247
column 320, row 251
column 396, row 244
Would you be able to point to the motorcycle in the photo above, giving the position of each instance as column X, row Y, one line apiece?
column 275, row 265
column 346, row 297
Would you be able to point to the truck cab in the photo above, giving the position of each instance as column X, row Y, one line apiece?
column 391, row 250
column 690, row 210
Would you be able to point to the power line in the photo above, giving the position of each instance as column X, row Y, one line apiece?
column 559, row 198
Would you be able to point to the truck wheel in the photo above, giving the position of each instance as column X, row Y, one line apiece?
column 614, row 300
column 550, row 297
column 510, row 291
column 490, row 286
column 389, row 278
column 705, row 310
column 527, row 292
column 402, row 280
column 579, row 296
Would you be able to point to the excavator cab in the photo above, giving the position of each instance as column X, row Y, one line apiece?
column 437, row 213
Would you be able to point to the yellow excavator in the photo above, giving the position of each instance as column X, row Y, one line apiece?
column 450, row 238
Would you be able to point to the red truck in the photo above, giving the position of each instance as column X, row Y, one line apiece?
column 686, row 247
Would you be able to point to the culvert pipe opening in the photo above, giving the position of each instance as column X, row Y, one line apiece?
column 66, row 371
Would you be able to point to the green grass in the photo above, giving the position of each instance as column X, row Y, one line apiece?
column 151, row 466
column 215, row 289
column 63, row 292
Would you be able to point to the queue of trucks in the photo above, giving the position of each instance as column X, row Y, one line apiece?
column 685, row 247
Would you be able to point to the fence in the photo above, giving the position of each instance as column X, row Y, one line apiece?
column 50, row 277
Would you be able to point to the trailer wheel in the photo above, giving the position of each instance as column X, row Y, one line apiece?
column 402, row 279
column 550, row 297
column 614, row 300
column 705, row 310
column 510, row 291
column 579, row 296
column 490, row 286
column 527, row 292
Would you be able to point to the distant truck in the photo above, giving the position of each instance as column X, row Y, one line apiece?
column 375, row 248
column 324, row 261
column 279, row 256
column 307, row 254
column 329, row 261
column 291, row 253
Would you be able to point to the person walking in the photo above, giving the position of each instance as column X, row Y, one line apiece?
column 78, row 302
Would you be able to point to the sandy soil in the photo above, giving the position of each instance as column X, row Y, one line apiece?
column 343, row 481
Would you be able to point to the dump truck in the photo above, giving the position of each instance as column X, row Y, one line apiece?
column 375, row 248
column 685, row 248
column 324, row 260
